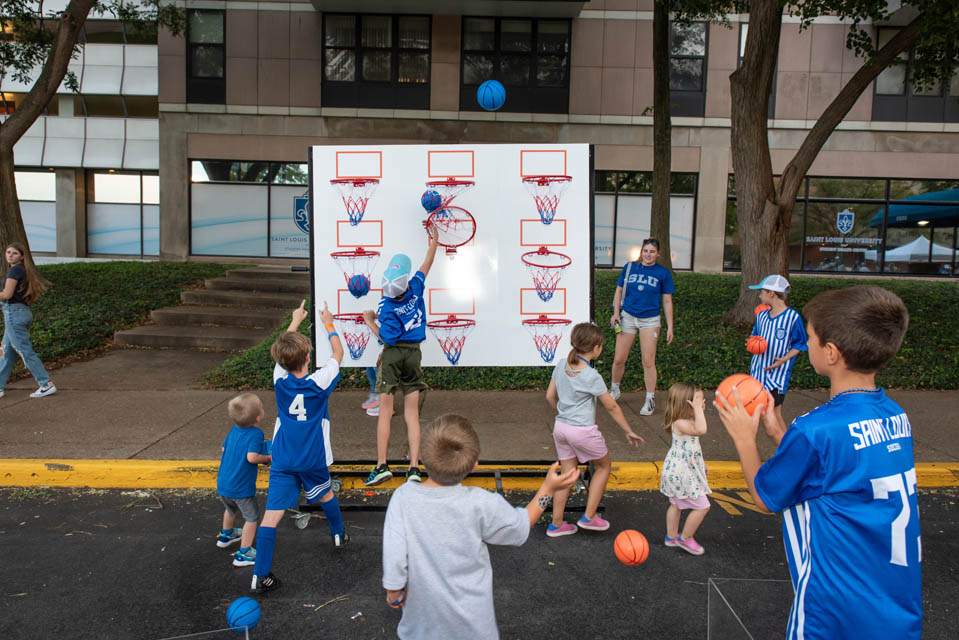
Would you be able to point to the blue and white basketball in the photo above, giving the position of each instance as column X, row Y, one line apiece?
column 431, row 200
column 491, row 95
column 359, row 285
column 243, row 612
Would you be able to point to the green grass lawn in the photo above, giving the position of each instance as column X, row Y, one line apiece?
column 89, row 301
column 704, row 350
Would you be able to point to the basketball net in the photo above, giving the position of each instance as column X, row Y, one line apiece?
column 451, row 335
column 449, row 189
column 357, row 262
column 546, row 192
column 455, row 227
column 355, row 333
column 355, row 193
column 547, row 268
column 546, row 333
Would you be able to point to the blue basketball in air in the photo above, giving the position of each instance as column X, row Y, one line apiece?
column 243, row 612
column 491, row 95
column 431, row 201
column 359, row 285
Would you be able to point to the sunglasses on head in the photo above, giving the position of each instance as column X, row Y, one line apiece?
column 652, row 241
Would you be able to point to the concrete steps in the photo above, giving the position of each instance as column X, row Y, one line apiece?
column 232, row 313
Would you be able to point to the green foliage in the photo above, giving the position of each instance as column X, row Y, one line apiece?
column 90, row 301
column 704, row 350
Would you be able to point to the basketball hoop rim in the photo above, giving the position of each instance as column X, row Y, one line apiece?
column 542, row 251
column 356, row 182
column 546, row 321
column 359, row 252
column 429, row 223
column 451, row 182
column 545, row 180
column 448, row 323
column 350, row 317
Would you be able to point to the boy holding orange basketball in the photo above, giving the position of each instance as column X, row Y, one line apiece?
column 844, row 478
column 781, row 327
column 436, row 564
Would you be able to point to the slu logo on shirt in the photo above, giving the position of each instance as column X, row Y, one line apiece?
column 643, row 281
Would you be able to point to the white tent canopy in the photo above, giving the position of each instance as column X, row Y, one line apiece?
column 915, row 251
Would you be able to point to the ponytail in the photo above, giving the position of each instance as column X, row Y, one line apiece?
column 584, row 337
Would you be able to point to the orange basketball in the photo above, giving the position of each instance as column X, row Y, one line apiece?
column 756, row 345
column 631, row 547
column 751, row 391
column 760, row 308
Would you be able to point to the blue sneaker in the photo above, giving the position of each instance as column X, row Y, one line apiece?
column 224, row 540
column 245, row 558
column 378, row 475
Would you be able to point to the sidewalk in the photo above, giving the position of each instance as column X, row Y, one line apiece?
column 143, row 404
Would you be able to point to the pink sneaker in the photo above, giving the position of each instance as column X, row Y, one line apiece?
column 690, row 545
column 565, row 529
column 671, row 542
column 596, row 524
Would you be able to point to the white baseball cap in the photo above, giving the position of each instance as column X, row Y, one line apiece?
column 773, row 282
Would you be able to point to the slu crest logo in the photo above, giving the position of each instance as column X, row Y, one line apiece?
column 301, row 211
column 845, row 220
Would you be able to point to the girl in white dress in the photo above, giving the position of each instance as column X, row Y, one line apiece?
column 683, row 478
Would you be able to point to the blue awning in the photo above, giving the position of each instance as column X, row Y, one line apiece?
column 936, row 215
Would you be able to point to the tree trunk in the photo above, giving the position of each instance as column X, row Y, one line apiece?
column 30, row 108
column 764, row 209
column 662, row 133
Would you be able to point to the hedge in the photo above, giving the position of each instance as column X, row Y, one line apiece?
column 704, row 350
column 89, row 301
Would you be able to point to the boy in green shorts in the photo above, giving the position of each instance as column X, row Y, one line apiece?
column 402, row 327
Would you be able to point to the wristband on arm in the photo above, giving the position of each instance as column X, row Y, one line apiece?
column 332, row 334
column 329, row 327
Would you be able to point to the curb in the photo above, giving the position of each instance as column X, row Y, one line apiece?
column 201, row 474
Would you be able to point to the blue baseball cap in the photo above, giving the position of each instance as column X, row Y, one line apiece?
column 397, row 275
column 773, row 282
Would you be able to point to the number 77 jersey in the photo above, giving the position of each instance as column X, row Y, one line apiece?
column 301, row 440
column 844, row 479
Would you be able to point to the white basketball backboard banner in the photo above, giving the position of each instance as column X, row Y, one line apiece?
column 516, row 273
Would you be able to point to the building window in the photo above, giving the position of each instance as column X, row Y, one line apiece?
column 687, row 68
column 897, row 99
column 866, row 225
column 206, row 57
column 529, row 56
column 37, row 192
column 123, row 213
column 623, row 201
column 376, row 61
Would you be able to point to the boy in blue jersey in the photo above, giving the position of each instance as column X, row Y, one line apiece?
column 781, row 327
column 844, row 478
column 402, row 327
column 301, row 442
column 236, row 476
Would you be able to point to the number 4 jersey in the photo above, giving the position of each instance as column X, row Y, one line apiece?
column 844, row 479
column 301, row 440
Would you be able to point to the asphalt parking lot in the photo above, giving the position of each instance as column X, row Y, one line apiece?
column 114, row 564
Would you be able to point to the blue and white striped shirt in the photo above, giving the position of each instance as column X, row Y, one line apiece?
column 782, row 333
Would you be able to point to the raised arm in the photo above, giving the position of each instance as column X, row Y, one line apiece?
column 369, row 316
column 742, row 428
column 335, row 345
column 430, row 254
column 696, row 426
column 299, row 315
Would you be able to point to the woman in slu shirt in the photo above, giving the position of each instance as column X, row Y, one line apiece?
column 641, row 287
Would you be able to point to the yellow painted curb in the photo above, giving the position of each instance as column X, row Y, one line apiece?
column 201, row 474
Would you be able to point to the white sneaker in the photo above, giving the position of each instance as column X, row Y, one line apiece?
column 373, row 411
column 648, row 407
column 2, row 393
column 46, row 390
column 615, row 392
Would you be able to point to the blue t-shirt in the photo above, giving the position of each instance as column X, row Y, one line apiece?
column 782, row 333
column 404, row 320
column 643, row 288
column 237, row 477
column 844, row 479
column 301, row 441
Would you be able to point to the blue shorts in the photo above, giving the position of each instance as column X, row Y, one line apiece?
column 284, row 489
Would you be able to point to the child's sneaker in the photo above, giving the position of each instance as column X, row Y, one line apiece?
column 244, row 558
column 565, row 529
column 413, row 475
column 340, row 540
column 596, row 524
column 615, row 392
column 224, row 540
column 378, row 475
column 269, row 583
column 374, row 410
column 372, row 401
column 648, row 407
column 671, row 542
column 46, row 390
column 690, row 545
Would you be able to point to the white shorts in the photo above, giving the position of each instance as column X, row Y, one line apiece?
column 632, row 324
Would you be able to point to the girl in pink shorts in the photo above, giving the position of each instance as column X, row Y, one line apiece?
column 683, row 478
column 572, row 393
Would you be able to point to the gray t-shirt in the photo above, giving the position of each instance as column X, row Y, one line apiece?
column 577, row 394
column 434, row 543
